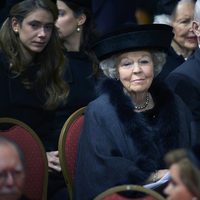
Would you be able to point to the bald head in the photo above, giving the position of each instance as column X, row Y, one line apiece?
column 12, row 172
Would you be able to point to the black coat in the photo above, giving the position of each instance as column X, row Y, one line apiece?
column 120, row 146
column 185, row 82
column 173, row 60
column 27, row 105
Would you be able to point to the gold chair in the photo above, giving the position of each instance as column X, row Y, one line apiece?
column 34, row 153
column 112, row 193
column 68, row 146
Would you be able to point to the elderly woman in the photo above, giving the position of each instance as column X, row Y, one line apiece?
column 184, row 41
column 185, row 174
column 134, row 122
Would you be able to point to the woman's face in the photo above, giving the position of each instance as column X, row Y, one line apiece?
column 176, row 190
column 67, row 23
column 182, row 26
column 35, row 30
column 135, row 70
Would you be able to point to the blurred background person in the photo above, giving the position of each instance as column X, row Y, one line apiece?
column 145, row 11
column 185, row 174
column 185, row 81
column 12, row 171
column 180, row 15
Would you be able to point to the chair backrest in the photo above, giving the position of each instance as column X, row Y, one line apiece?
column 68, row 146
column 34, row 153
column 112, row 193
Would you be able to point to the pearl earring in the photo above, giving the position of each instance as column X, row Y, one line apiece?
column 78, row 29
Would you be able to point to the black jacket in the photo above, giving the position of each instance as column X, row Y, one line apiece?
column 27, row 104
column 173, row 60
column 185, row 82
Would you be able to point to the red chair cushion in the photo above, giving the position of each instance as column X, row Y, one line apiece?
column 119, row 197
column 71, row 146
column 34, row 160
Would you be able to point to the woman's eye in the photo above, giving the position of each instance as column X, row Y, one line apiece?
column 173, row 183
column 49, row 27
column 185, row 21
column 61, row 13
column 126, row 64
column 143, row 62
column 34, row 25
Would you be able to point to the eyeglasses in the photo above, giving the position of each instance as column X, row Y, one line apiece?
column 16, row 175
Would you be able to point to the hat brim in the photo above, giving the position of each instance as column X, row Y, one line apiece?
column 154, row 36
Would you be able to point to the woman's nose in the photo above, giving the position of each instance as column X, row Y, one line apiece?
column 136, row 68
column 42, row 32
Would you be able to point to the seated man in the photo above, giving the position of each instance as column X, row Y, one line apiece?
column 12, row 171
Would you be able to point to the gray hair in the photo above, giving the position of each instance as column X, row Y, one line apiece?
column 6, row 141
column 197, row 11
column 109, row 65
column 168, row 19
column 173, row 15
column 162, row 19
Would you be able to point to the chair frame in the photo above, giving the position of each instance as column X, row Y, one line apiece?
column 123, row 188
column 62, row 144
column 16, row 122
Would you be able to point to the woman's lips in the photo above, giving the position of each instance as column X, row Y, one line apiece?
column 192, row 39
column 137, row 81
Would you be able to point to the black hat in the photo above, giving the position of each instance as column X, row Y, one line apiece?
column 83, row 3
column 150, row 36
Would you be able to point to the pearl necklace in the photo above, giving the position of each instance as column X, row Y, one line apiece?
column 137, row 107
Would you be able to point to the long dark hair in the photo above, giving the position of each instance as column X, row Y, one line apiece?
column 49, row 75
column 89, row 32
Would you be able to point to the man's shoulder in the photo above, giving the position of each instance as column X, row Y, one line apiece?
column 189, row 65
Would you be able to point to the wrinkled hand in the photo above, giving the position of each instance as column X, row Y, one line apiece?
column 161, row 173
column 53, row 161
column 157, row 175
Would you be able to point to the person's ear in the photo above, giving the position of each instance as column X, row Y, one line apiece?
column 15, row 25
column 81, row 19
column 196, row 28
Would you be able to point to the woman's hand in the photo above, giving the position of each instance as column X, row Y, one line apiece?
column 53, row 161
column 161, row 173
column 157, row 175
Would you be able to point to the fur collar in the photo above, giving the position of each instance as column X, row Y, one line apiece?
column 163, row 136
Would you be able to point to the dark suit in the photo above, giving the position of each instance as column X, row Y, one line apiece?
column 185, row 81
